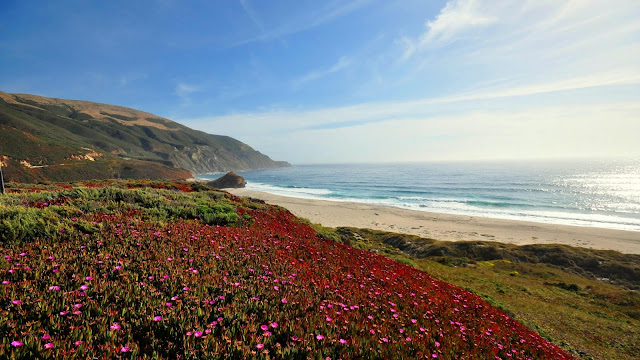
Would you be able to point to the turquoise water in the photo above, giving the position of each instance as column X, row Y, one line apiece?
column 586, row 193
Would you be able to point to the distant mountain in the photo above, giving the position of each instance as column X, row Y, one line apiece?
column 65, row 140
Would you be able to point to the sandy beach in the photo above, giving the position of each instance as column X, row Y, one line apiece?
column 450, row 227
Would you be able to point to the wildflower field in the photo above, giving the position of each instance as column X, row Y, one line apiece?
column 174, row 270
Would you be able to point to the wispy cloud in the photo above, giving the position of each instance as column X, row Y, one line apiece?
column 248, row 9
column 341, row 64
column 335, row 10
column 184, row 91
column 455, row 19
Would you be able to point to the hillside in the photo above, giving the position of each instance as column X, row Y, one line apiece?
column 52, row 139
column 175, row 270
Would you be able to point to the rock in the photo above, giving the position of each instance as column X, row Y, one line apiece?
column 229, row 180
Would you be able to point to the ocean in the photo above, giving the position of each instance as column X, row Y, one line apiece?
column 585, row 193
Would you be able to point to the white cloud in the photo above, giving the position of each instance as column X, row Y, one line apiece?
column 524, row 78
column 341, row 64
column 184, row 90
column 335, row 10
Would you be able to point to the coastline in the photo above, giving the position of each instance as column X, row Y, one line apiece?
column 449, row 227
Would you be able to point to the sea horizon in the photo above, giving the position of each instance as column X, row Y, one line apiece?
column 602, row 193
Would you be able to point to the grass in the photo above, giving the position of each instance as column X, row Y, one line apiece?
column 558, row 291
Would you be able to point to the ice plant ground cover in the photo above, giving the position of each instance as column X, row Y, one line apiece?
column 166, row 270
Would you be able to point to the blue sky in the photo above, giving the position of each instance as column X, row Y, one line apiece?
column 349, row 81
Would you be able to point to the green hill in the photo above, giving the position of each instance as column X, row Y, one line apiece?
column 65, row 140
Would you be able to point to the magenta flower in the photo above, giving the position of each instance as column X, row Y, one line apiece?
column 63, row 313
column 319, row 337
column 17, row 343
column 329, row 319
column 5, row 282
column 46, row 337
column 274, row 324
column 84, row 287
column 125, row 349
column 16, row 302
column 343, row 341
column 48, row 346
column 197, row 333
column 267, row 333
column 260, row 346
column 157, row 318
column 115, row 327
column 77, row 343
column 88, row 278
column 54, row 288
column 284, row 301
column 168, row 304
column 264, row 327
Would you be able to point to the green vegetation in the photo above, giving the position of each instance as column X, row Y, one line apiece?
column 153, row 270
column 584, row 300
column 123, row 143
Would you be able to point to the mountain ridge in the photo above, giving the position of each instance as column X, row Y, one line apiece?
column 43, row 138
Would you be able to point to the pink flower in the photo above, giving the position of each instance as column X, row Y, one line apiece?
column 157, row 318
column 329, row 319
column 88, row 278
column 6, row 282
column 267, row 333
column 384, row 340
column 77, row 343
column 168, row 304
column 63, row 313
column 125, row 349
column 197, row 333
column 84, row 287
column 343, row 341
column 46, row 337
column 274, row 325
column 16, row 302
column 48, row 346
column 54, row 288
column 17, row 343
column 260, row 346
column 115, row 327
column 284, row 301
column 77, row 306
column 77, row 312
column 264, row 327
column 414, row 321
column 319, row 337
column 434, row 356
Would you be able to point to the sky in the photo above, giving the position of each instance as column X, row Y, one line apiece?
column 349, row 81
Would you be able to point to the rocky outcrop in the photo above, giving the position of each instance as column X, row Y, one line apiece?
column 229, row 180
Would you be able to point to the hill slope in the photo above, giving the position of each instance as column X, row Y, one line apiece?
column 175, row 270
column 54, row 139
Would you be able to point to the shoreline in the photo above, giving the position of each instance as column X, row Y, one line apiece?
column 449, row 227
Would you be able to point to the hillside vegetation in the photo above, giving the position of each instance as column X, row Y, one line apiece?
column 173, row 270
column 67, row 140
column 585, row 300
